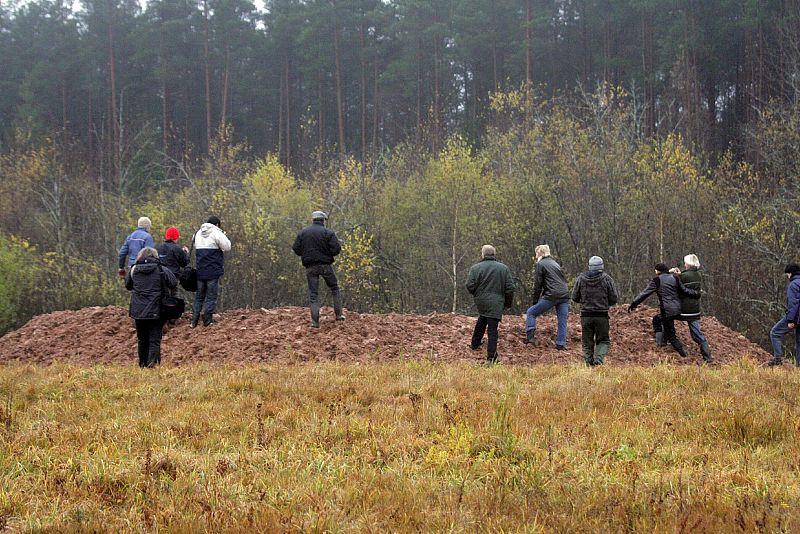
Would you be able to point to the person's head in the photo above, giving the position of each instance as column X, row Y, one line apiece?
column 144, row 222
column 542, row 251
column 487, row 251
column 662, row 268
column 215, row 221
column 145, row 253
column 596, row 264
column 319, row 217
column 792, row 269
column 172, row 234
column 691, row 261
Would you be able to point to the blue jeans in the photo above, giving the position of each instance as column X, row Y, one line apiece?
column 780, row 329
column 562, row 309
column 207, row 291
column 697, row 334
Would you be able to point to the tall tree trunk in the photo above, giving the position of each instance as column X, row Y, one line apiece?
column 226, row 81
column 363, row 90
column 375, row 103
column 114, row 130
column 337, row 63
column 495, row 82
column 419, row 90
column 528, row 57
column 207, row 75
column 321, row 106
column 288, row 114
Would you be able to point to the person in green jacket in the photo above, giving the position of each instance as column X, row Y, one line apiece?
column 492, row 286
column 690, row 306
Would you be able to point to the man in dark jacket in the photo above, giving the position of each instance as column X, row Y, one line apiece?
column 492, row 286
column 317, row 246
column 669, row 288
column 210, row 245
column 789, row 320
column 690, row 306
column 148, row 282
column 134, row 243
column 549, row 290
column 596, row 293
column 171, row 255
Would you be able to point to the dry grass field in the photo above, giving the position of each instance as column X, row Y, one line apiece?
column 400, row 447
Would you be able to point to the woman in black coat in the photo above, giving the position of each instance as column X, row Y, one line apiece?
column 148, row 281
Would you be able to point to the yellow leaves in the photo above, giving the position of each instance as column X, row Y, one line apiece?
column 357, row 266
column 454, row 447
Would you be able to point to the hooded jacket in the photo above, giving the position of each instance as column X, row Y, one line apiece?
column 595, row 292
column 316, row 245
column 669, row 289
column 492, row 286
column 172, row 256
column 210, row 243
column 793, row 299
column 147, row 280
column 549, row 282
column 134, row 243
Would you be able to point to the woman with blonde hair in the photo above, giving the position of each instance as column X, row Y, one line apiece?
column 148, row 281
column 549, row 291
column 690, row 306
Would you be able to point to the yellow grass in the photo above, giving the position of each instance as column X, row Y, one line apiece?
column 399, row 447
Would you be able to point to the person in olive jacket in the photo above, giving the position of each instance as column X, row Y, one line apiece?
column 492, row 286
column 317, row 245
column 549, row 290
column 669, row 288
column 789, row 321
column 596, row 293
column 147, row 280
column 690, row 306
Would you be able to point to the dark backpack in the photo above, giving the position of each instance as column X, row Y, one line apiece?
column 172, row 307
column 187, row 276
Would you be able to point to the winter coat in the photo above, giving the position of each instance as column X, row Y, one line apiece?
column 316, row 245
column 147, row 280
column 492, row 286
column 210, row 242
column 793, row 299
column 690, row 306
column 549, row 281
column 596, row 293
column 669, row 289
column 134, row 243
column 172, row 256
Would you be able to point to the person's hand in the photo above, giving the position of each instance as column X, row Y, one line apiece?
column 675, row 270
column 186, row 249
column 121, row 273
column 791, row 325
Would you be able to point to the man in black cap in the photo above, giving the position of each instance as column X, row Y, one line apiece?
column 317, row 245
column 789, row 321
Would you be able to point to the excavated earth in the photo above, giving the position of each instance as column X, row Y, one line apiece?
column 103, row 335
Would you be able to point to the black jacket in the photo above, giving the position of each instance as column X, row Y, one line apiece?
column 172, row 256
column 690, row 306
column 549, row 282
column 669, row 289
column 316, row 245
column 596, row 293
column 145, row 281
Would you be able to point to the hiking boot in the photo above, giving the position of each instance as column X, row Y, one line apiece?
column 491, row 359
column 340, row 317
column 478, row 346
column 195, row 320
column 705, row 350
column 208, row 319
column 561, row 347
column 337, row 307
column 314, row 324
column 660, row 339
column 530, row 336
column 775, row 362
column 315, row 315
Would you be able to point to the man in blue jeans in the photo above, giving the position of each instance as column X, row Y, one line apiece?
column 210, row 244
column 789, row 321
column 549, row 291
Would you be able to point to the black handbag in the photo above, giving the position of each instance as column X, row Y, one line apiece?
column 172, row 307
column 188, row 275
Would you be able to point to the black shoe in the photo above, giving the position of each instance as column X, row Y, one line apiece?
column 478, row 346
column 492, row 359
column 530, row 336
column 775, row 362
column 340, row 317
column 314, row 324
column 208, row 319
column 561, row 347
column 195, row 319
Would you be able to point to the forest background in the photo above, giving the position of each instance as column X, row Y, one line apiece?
column 638, row 130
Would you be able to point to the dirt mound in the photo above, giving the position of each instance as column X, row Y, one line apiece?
column 106, row 335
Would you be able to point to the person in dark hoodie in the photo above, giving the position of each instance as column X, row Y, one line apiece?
column 210, row 244
column 669, row 289
column 317, row 246
column 147, row 280
column 690, row 306
column 173, row 257
column 492, row 286
column 789, row 321
column 596, row 293
column 549, row 290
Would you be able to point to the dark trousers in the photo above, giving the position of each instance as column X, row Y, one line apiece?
column 595, row 339
column 668, row 324
column 148, row 332
column 313, row 274
column 207, row 291
column 480, row 328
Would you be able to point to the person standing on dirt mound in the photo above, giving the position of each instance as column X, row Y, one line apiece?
column 549, row 290
column 134, row 243
column 690, row 306
column 790, row 320
column 172, row 256
column 147, row 281
column 317, row 246
column 492, row 287
column 669, row 288
column 596, row 293
column 210, row 244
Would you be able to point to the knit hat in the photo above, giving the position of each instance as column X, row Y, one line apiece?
column 172, row 234
column 596, row 263
column 144, row 222
column 215, row 221
column 487, row 251
column 662, row 267
column 319, row 216
column 792, row 268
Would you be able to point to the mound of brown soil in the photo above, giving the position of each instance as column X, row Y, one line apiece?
column 106, row 335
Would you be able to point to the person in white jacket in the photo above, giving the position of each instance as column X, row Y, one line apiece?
column 210, row 244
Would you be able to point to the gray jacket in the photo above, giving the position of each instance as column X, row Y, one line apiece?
column 549, row 282
column 669, row 289
column 596, row 293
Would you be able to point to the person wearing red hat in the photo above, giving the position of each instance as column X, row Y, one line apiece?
column 171, row 254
